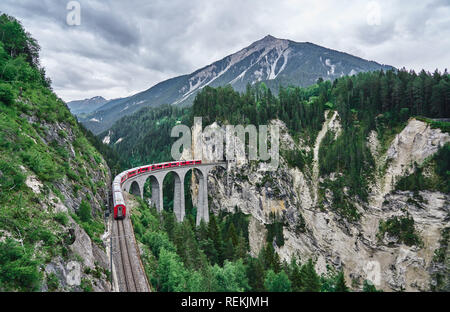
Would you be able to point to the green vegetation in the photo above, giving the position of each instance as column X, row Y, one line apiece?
column 439, row 180
column 441, row 278
column 369, row 287
column 400, row 227
column 146, row 134
column 443, row 125
column 215, row 256
column 18, row 269
column 275, row 230
column 39, row 137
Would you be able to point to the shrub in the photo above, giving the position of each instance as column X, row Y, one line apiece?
column 86, row 285
column 84, row 212
column 6, row 94
column 61, row 217
column 17, row 269
column 10, row 177
column 52, row 282
column 402, row 228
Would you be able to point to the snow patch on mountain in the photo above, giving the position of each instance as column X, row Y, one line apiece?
column 265, row 46
column 332, row 67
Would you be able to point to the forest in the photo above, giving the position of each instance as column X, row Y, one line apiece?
column 379, row 101
column 215, row 257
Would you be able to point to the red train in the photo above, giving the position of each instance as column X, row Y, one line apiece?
column 119, row 203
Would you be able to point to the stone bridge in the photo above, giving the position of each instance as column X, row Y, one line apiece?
column 135, row 186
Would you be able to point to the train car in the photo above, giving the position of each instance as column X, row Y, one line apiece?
column 120, row 210
column 144, row 169
column 132, row 173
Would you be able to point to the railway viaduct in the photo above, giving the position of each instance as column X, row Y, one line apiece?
column 135, row 186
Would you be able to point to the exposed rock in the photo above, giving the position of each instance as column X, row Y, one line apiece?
column 329, row 238
column 33, row 183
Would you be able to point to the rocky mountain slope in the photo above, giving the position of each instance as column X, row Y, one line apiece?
column 273, row 61
column 86, row 106
column 53, row 182
column 362, row 248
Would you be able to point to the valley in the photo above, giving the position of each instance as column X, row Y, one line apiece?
column 359, row 201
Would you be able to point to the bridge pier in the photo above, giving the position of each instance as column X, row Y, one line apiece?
column 157, row 190
column 202, row 201
column 178, row 198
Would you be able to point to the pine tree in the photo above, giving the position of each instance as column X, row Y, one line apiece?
column 310, row 277
column 241, row 248
column 340, row 283
column 296, row 276
column 277, row 282
column 215, row 235
column 255, row 274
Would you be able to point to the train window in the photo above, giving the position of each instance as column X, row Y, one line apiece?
column 132, row 173
column 198, row 161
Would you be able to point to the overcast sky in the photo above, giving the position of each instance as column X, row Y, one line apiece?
column 123, row 47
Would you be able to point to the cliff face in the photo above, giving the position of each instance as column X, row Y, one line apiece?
column 321, row 233
column 53, row 181
column 87, row 249
column 54, row 193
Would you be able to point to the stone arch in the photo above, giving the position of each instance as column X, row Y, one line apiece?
column 156, row 180
column 151, row 190
column 188, row 200
column 135, row 189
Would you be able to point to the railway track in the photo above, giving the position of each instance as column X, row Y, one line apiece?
column 130, row 274
column 127, row 264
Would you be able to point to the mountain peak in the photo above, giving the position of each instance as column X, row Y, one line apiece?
column 272, row 60
column 269, row 37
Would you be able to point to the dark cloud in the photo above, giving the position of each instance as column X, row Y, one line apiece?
column 122, row 47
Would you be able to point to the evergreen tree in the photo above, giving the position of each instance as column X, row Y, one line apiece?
column 215, row 235
column 369, row 287
column 340, row 283
column 255, row 274
column 277, row 282
column 310, row 277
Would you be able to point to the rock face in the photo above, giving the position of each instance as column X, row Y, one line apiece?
column 327, row 237
column 85, row 264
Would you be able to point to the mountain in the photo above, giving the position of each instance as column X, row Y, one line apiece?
column 270, row 60
column 86, row 106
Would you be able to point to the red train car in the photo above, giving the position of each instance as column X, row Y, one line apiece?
column 119, row 212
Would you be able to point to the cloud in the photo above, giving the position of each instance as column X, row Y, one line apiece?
column 123, row 47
